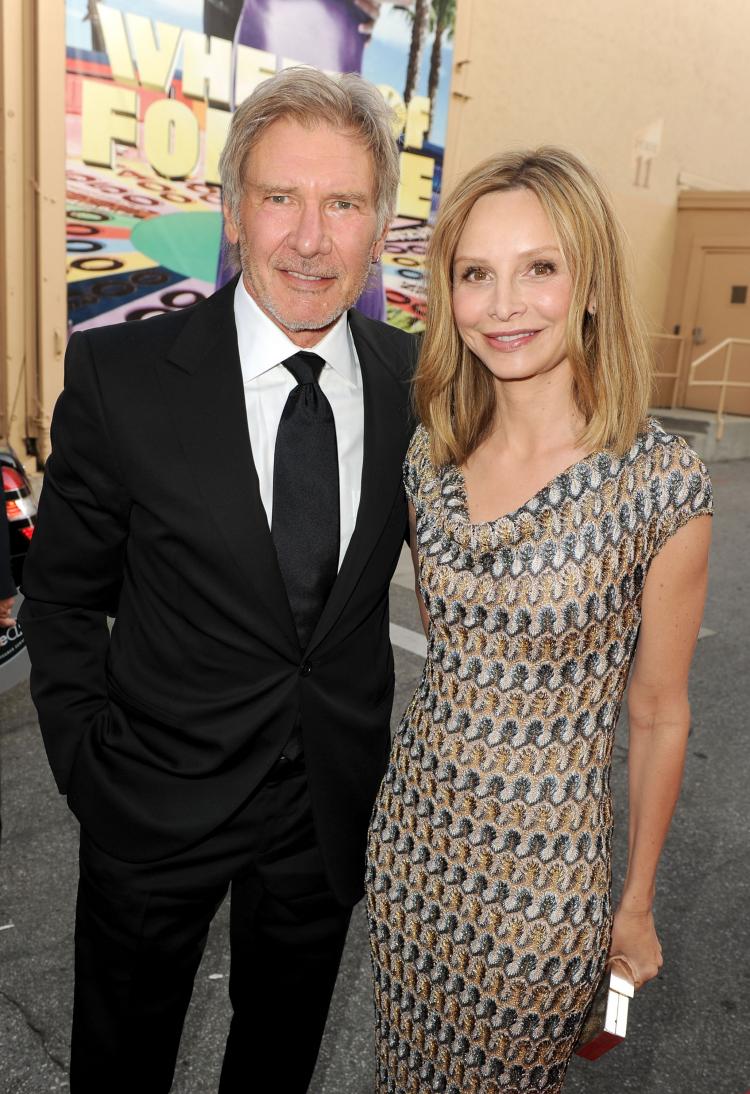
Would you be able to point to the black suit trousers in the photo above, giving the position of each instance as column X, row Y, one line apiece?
column 141, row 930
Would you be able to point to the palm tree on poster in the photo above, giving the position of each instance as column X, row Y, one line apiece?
column 97, row 38
column 418, row 13
column 439, row 18
column 443, row 23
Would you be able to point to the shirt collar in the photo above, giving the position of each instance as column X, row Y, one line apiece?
column 263, row 345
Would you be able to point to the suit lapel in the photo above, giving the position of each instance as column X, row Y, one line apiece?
column 202, row 378
column 385, row 421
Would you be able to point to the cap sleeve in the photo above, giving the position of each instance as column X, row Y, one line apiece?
column 682, row 490
column 415, row 464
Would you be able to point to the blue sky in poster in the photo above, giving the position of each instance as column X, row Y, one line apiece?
column 384, row 60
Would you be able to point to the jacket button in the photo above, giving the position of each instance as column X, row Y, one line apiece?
column 305, row 668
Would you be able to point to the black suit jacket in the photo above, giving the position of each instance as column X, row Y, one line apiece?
column 151, row 512
column 7, row 585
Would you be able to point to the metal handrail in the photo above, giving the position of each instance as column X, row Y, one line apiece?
column 674, row 376
column 727, row 345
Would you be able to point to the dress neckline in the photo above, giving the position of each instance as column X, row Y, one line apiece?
column 531, row 503
column 512, row 528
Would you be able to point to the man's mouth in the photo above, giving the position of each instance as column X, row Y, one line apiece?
column 307, row 278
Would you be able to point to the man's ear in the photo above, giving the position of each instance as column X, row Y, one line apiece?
column 379, row 245
column 230, row 228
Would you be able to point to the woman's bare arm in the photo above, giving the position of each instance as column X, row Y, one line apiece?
column 659, row 716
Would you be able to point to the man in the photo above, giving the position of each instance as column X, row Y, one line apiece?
column 236, row 504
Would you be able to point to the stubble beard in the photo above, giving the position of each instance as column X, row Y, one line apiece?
column 266, row 302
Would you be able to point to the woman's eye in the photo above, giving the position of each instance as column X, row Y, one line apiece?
column 543, row 269
column 473, row 273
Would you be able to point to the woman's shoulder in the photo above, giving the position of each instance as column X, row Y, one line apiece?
column 672, row 476
column 419, row 446
column 418, row 469
column 420, row 441
column 668, row 453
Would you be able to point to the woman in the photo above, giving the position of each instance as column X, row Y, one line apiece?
column 551, row 526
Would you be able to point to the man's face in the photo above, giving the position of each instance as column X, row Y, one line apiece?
column 307, row 226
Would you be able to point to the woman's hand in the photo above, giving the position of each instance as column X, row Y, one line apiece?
column 634, row 936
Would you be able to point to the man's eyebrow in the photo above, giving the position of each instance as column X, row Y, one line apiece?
column 350, row 195
column 287, row 188
column 271, row 188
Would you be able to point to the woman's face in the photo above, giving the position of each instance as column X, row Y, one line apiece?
column 511, row 287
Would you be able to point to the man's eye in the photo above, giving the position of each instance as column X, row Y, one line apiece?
column 278, row 199
column 543, row 269
column 342, row 204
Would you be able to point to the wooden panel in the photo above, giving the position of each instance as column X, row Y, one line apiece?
column 51, row 290
column 16, row 260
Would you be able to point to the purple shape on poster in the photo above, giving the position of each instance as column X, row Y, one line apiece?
column 323, row 33
column 372, row 298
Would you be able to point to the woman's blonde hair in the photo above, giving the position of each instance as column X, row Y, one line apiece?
column 609, row 351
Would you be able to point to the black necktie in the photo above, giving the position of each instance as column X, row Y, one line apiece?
column 305, row 520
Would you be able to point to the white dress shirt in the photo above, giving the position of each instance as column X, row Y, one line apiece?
column 263, row 346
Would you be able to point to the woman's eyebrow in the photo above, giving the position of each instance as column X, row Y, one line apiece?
column 552, row 247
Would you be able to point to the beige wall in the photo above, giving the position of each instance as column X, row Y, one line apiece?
column 598, row 76
column 32, row 219
column 711, row 254
column 703, row 219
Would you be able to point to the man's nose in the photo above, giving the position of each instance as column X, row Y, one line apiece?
column 309, row 235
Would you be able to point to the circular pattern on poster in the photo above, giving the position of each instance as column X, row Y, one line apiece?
column 187, row 243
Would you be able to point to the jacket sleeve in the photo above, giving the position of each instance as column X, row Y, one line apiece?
column 73, row 571
column 7, row 587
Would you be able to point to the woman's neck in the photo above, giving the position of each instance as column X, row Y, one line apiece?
column 534, row 438
column 536, row 416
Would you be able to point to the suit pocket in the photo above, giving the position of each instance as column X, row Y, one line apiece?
column 96, row 732
column 139, row 709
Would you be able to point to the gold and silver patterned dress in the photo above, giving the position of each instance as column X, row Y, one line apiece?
column 488, row 880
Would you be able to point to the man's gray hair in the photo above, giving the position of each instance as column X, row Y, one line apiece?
column 312, row 98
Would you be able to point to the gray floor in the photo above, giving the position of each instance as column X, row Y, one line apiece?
column 689, row 1029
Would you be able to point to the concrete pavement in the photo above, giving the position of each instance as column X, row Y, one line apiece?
column 689, row 1030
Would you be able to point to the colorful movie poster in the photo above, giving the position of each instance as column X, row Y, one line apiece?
column 150, row 88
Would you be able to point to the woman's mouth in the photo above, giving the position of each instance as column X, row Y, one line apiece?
column 508, row 341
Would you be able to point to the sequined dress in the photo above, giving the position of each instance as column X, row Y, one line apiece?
column 488, row 879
